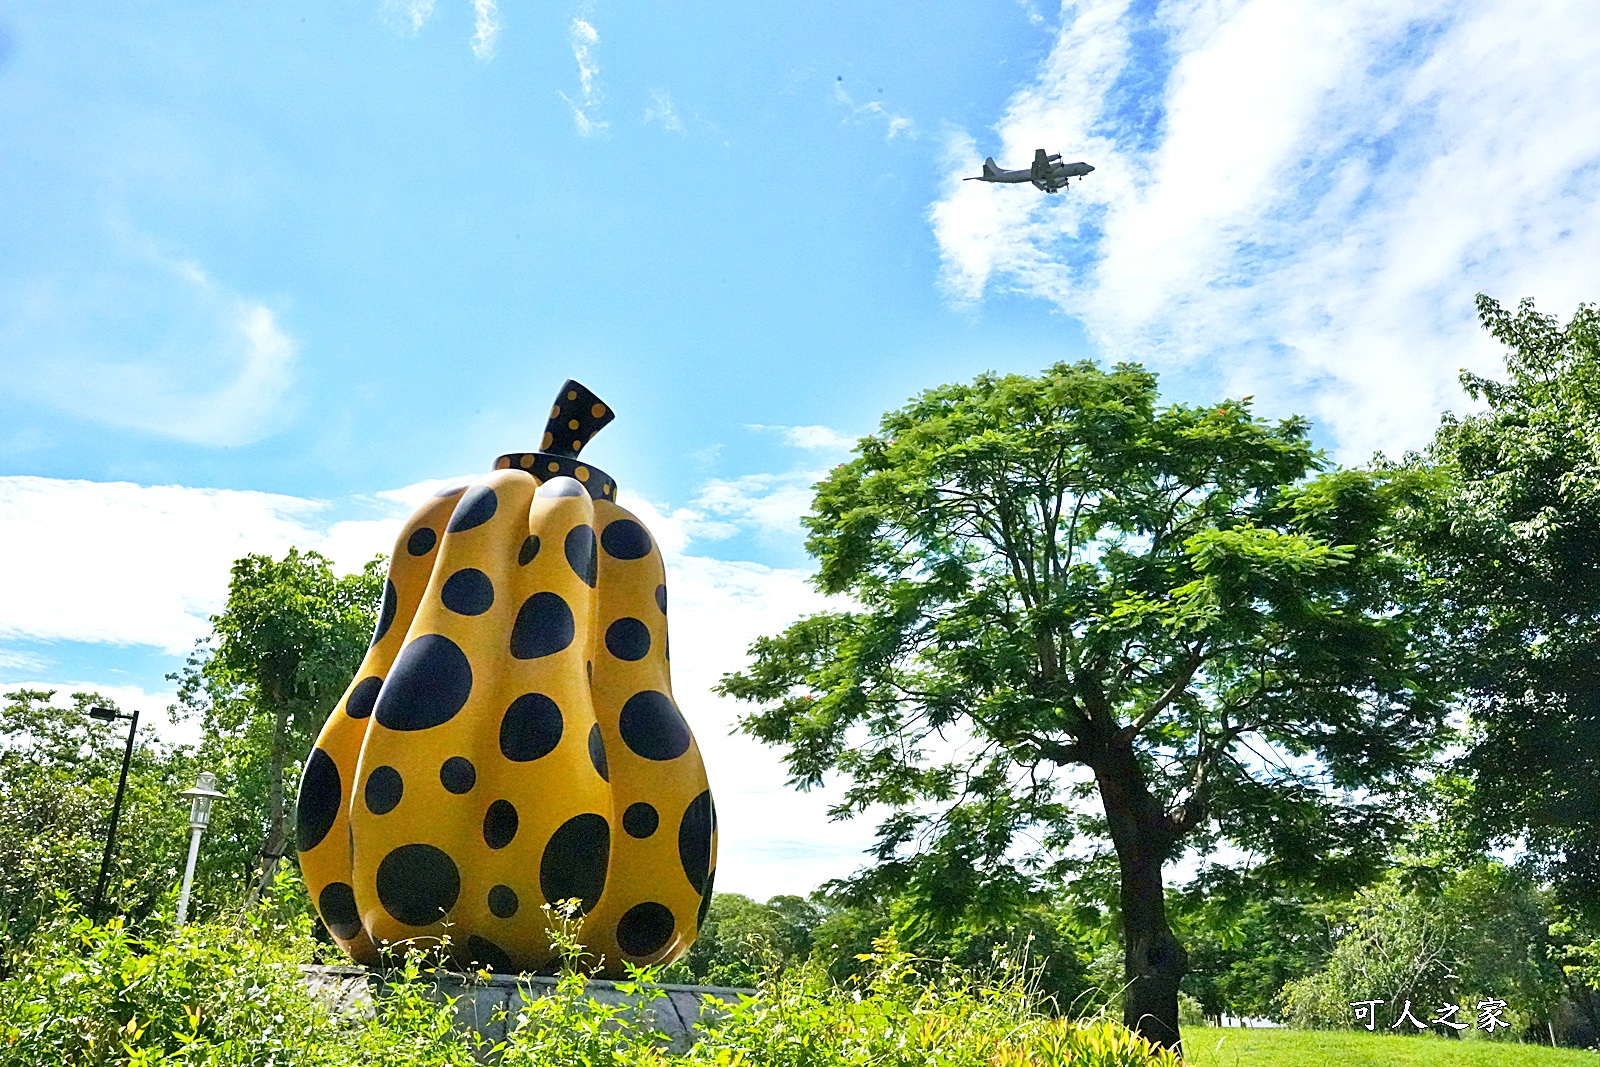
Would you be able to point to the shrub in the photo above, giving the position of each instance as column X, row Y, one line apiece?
column 81, row 995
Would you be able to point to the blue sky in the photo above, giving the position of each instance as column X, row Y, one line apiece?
column 270, row 271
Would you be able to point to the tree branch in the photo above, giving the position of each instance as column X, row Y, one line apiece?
column 1179, row 684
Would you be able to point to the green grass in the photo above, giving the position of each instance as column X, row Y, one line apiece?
column 1235, row 1047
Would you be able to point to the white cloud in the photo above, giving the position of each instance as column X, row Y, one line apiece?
column 409, row 16
column 485, row 28
column 415, row 495
column 117, row 563
column 11, row 660
column 585, row 40
column 1325, row 189
column 874, row 110
column 662, row 111
column 151, row 342
column 816, row 437
column 770, row 503
column 773, row 838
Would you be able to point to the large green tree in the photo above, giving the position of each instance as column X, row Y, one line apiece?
column 1059, row 589
column 1512, row 545
column 281, row 653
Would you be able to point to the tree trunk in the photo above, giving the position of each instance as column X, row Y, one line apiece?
column 277, row 825
column 1153, row 960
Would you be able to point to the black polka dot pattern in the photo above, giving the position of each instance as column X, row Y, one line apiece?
column 661, row 598
column 318, row 805
column 597, row 753
column 544, row 626
column 337, row 906
column 652, row 726
column 418, row 884
column 530, row 728
column 580, row 552
column 645, row 928
column 694, row 840
column 386, row 611
column 421, row 541
column 640, row 820
column 430, row 682
column 467, row 592
column 362, row 697
column 500, row 824
column 473, row 510
column 625, row 539
column 488, row 955
column 384, row 790
column 458, row 775
column 628, row 639
column 529, row 549
column 575, row 860
column 503, row 902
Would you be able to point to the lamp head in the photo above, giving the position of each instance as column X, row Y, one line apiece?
column 201, row 797
column 104, row 714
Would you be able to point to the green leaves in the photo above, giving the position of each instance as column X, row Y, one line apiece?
column 280, row 655
column 1511, row 540
column 1043, row 568
column 292, row 633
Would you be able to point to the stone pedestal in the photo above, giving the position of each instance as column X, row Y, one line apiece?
column 489, row 1006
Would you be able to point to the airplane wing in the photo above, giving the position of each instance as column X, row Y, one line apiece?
column 1047, row 171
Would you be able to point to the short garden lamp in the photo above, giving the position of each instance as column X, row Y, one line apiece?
column 201, row 797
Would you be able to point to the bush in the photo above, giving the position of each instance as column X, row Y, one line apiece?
column 81, row 995
column 909, row 1013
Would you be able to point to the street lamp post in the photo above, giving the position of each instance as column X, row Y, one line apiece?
column 112, row 715
column 201, row 797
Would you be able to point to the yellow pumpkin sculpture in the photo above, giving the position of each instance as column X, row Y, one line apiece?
column 511, row 739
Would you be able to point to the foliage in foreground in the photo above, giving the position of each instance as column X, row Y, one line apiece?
column 81, row 995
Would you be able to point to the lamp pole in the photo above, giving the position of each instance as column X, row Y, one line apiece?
column 201, row 797
column 112, row 715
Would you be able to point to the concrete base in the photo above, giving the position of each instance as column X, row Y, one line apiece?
column 490, row 1006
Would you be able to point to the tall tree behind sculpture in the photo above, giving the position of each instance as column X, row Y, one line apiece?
column 1513, row 547
column 285, row 646
column 1054, row 576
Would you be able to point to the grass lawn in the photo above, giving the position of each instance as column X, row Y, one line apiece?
column 1236, row 1047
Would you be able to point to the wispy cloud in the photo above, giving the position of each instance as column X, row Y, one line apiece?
column 151, row 342
column 13, row 662
column 814, row 437
column 485, row 28
column 662, row 111
column 585, row 41
column 1300, row 197
column 874, row 111
column 409, row 16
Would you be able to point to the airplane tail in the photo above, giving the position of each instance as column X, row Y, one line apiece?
column 989, row 169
